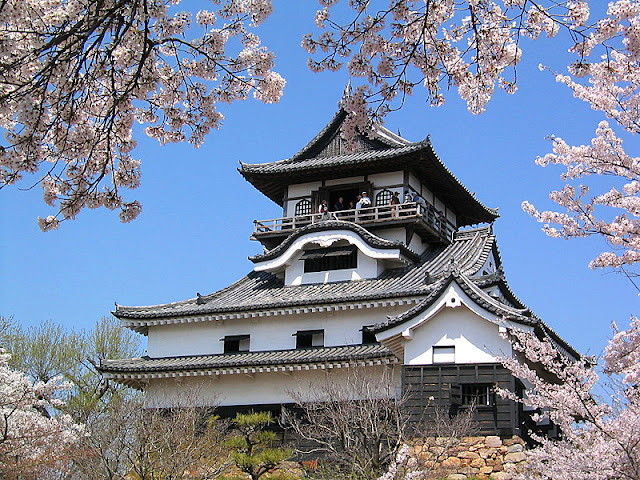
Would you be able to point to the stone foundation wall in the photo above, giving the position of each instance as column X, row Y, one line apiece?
column 491, row 458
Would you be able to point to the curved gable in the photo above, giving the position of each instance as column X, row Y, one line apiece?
column 332, row 239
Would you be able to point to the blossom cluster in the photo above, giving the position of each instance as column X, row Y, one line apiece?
column 402, row 44
column 31, row 438
column 76, row 75
column 599, row 438
column 606, row 74
column 583, row 212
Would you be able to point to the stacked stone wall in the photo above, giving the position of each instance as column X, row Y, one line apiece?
column 490, row 458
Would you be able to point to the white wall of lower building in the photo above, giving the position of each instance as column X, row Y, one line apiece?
column 475, row 339
column 267, row 333
column 263, row 388
column 371, row 261
column 400, row 235
column 393, row 234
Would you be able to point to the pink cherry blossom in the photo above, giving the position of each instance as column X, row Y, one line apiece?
column 599, row 437
column 76, row 76
column 32, row 439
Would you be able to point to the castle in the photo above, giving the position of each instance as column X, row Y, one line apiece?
column 414, row 284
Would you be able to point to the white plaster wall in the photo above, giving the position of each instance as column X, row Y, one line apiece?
column 259, row 388
column 476, row 340
column 414, row 183
column 383, row 180
column 267, row 333
column 416, row 244
column 303, row 189
column 400, row 235
column 290, row 260
column 344, row 181
column 393, row 234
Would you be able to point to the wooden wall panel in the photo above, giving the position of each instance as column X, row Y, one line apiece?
column 421, row 382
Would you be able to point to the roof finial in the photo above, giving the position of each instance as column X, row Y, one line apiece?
column 453, row 267
column 346, row 95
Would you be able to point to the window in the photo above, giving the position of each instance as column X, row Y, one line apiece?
column 368, row 337
column 337, row 258
column 444, row 354
column 477, row 394
column 303, row 207
column 236, row 343
column 309, row 338
column 383, row 197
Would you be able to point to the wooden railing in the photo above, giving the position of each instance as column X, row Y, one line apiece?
column 362, row 216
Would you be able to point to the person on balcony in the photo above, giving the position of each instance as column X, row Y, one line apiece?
column 364, row 202
column 339, row 206
column 417, row 198
column 323, row 209
column 408, row 198
column 394, row 202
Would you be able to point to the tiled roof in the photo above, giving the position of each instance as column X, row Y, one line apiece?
column 247, row 359
column 520, row 315
column 295, row 164
column 472, row 287
column 380, row 151
column 262, row 290
column 371, row 239
column 378, row 132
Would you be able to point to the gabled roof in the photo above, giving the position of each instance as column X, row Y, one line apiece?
column 473, row 288
column 371, row 239
column 326, row 157
column 318, row 143
column 519, row 315
column 262, row 290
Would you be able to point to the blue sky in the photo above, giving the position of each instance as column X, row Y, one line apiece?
column 193, row 233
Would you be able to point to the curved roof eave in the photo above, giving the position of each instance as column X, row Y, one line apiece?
column 262, row 290
column 272, row 178
column 246, row 359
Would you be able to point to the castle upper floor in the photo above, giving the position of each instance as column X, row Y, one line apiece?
column 409, row 194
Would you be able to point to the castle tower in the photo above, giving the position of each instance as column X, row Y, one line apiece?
column 413, row 284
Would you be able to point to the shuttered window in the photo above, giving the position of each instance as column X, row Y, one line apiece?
column 309, row 338
column 338, row 258
column 236, row 343
column 444, row 354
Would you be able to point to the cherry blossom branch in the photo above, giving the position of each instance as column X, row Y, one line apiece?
column 75, row 76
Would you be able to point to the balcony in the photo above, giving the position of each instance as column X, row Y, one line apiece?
column 431, row 225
